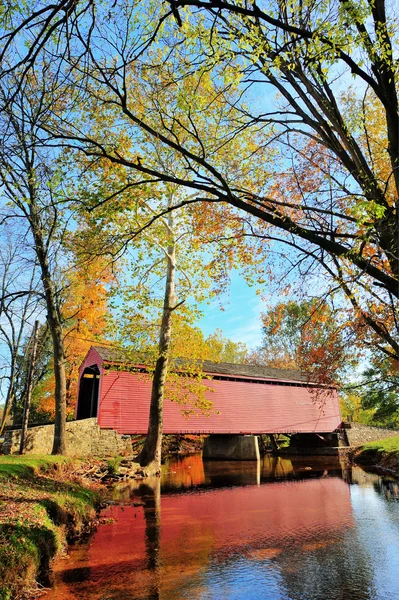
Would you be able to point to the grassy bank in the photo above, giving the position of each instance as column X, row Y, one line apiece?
column 383, row 453
column 41, row 508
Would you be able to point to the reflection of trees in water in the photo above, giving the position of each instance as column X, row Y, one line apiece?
column 384, row 485
column 223, row 474
column 218, row 525
column 338, row 567
column 183, row 472
column 175, row 558
column 150, row 494
column 304, row 467
column 362, row 478
column 152, row 515
column 270, row 468
column 388, row 488
column 188, row 472
column 301, row 535
column 333, row 569
column 333, row 565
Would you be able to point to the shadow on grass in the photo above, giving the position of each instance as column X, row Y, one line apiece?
column 26, row 472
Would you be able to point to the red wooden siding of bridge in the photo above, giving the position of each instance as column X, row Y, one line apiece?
column 244, row 404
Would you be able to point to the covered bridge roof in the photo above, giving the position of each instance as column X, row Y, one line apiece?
column 116, row 355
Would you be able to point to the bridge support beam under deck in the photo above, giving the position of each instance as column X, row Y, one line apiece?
column 231, row 447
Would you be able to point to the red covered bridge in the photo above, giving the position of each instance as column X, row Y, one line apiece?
column 247, row 399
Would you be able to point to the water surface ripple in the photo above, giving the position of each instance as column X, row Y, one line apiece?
column 282, row 529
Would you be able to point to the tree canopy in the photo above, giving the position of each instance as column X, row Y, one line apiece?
column 320, row 172
column 277, row 122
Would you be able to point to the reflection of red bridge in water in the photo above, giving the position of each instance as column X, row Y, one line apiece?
column 232, row 520
column 247, row 399
column 172, row 540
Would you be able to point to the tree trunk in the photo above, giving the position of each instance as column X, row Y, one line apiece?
column 150, row 455
column 27, row 402
column 6, row 412
column 10, row 396
column 55, row 326
column 59, row 443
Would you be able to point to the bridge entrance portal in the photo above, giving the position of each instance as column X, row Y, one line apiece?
column 88, row 393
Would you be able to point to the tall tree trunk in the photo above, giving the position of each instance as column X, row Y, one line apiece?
column 59, row 443
column 10, row 395
column 28, row 397
column 6, row 410
column 150, row 455
column 57, row 335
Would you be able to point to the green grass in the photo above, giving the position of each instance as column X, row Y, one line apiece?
column 113, row 465
column 382, row 453
column 27, row 465
column 25, row 554
column 41, row 506
column 386, row 445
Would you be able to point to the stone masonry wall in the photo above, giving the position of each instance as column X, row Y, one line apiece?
column 361, row 434
column 83, row 438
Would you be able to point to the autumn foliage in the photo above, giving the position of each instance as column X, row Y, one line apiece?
column 84, row 311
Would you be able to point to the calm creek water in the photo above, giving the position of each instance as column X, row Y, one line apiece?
column 283, row 529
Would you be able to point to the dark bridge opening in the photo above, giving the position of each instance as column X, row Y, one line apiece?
column 88, row 393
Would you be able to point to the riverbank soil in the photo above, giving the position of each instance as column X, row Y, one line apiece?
column 383, row 454
column 42, row 508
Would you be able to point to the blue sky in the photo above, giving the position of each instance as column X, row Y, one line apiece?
column 240, row 318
